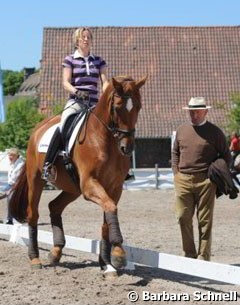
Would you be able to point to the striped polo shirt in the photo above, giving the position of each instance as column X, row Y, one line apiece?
column 85, row 73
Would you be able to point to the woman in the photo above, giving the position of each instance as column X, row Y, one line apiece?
column 15, row 165
column 81, row 73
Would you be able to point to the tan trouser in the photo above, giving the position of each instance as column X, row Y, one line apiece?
column 195, row 192
column 70, row 108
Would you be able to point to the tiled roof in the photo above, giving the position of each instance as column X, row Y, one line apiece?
column 181, row 62
column 30, row 86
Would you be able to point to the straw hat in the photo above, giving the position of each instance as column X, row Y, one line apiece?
column 197, row 103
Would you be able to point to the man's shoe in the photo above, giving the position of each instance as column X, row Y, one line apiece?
column 9, row 222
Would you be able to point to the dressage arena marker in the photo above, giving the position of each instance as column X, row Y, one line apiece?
column 209, row 270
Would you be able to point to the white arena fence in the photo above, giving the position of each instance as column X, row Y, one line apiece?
column 18, row 234
column 150, row 178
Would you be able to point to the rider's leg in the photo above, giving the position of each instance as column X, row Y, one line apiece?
column 54, row 145
column 71, row 107
column 51, row 155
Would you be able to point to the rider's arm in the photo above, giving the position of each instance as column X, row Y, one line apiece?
column 104, row 79
column 67, row 77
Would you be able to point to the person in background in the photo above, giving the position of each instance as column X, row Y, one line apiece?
column 16, row 163
column 234, row 147
column 198, row 143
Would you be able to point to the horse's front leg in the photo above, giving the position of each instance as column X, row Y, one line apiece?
column 111, row 233
column 105, row 247
column 109, row 260
column 118, row 254
column 56, row 208
column 105, row 252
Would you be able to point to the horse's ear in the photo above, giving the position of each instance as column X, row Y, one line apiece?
column 141, row 82
column 118, row 86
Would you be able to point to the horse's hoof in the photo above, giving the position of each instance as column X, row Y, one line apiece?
column 118, row 258
column 109, row 272
column 54, row 256
column 36, row 264
column 119, row 261
column 110, row 275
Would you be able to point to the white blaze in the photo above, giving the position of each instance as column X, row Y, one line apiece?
column 129, row 105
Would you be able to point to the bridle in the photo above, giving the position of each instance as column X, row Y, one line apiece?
column 117, row 132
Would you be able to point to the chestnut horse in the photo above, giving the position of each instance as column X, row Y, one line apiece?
column 101, row 155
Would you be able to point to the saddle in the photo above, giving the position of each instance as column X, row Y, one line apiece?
column 70, row 132
column 67, row 132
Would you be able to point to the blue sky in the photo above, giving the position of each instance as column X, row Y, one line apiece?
column 22, row 22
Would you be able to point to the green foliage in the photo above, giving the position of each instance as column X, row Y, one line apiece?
column 57, row 109
column 21, row 117
column 234, row 117
column 12, row 81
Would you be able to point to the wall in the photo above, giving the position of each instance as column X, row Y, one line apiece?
column 149, row 152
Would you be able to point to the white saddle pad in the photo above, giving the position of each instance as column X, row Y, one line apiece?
column 46, row 138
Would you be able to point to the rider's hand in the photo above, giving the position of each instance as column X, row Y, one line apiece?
column 82, row 95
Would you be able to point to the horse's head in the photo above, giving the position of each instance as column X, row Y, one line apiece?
column 125, row 104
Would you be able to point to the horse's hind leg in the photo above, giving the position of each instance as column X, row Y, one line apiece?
column 34, row 194
column 56, row 208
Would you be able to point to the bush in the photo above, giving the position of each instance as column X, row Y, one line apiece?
column 21, row 117
column 12, row 81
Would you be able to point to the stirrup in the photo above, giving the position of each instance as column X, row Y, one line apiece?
column 130, row 177
column 49, row 173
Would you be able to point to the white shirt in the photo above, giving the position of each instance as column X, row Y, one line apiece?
column 14, row 170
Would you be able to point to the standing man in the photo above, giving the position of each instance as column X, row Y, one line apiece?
column 197, row 144
column 16, row 163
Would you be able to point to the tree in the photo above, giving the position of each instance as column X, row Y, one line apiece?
column 12, row 81
column 22, row 116
column 234, row 117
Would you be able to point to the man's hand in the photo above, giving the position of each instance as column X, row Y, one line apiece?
column 3, row 195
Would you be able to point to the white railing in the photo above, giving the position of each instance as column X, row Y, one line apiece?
column 151, row 178
column 214, row 271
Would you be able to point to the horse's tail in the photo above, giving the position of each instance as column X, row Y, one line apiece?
column 18, row 198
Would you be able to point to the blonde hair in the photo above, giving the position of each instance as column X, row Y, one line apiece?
column 79, row 33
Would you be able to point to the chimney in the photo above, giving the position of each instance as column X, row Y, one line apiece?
column 28, row 72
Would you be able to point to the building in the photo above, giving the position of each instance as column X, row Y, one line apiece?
column 31, row 83
column 181, row 62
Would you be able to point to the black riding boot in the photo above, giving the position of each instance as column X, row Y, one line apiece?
column 51, row 155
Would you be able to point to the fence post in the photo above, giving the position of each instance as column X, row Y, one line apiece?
column 156, row 176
